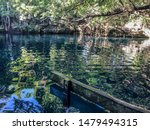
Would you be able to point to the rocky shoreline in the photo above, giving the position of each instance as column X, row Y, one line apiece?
column 112, row 32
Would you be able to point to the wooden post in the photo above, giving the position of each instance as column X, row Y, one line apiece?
column 67, row 94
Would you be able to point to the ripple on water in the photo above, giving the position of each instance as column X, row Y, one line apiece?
column 120, row 67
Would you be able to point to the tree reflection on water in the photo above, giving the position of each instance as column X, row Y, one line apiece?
column 120, row 67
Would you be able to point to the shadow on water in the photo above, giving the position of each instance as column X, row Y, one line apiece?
column 120, row 67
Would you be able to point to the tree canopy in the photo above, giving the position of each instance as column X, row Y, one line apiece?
column 71, row 13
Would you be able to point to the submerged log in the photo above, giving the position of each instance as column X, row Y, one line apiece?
column 97, row 96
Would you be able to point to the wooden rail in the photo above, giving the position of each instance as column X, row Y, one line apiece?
column 107, row 101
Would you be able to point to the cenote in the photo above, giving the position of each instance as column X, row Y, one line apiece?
column 117, row 66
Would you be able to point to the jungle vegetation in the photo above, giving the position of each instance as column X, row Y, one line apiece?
column 57, row 16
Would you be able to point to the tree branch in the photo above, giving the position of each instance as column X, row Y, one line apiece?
column 146, row 7
column 112, row 13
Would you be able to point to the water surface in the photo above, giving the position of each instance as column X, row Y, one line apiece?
column 120, row 67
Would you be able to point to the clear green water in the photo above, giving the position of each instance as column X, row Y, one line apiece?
column 120, row 67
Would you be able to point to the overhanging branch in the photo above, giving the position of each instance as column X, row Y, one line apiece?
column 112, row 13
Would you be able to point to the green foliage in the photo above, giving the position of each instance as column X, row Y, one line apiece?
column 39, row 12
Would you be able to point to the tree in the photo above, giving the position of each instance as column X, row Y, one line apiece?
column 71, row 13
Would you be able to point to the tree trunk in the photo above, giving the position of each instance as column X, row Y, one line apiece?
column 7, row 18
